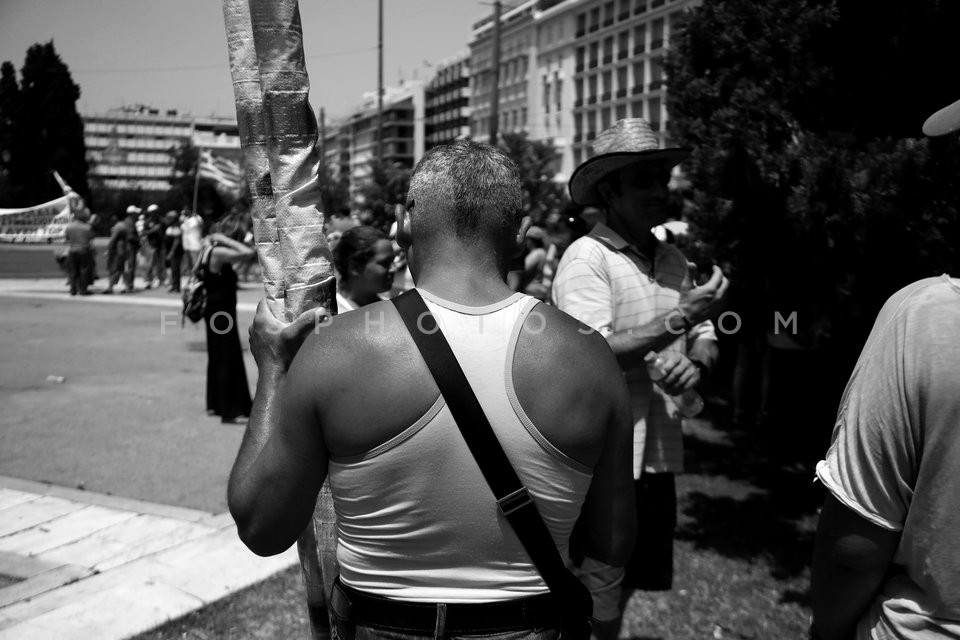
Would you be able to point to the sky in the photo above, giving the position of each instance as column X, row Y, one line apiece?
column 172, row 54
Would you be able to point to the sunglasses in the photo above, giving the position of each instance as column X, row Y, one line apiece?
column 647, row 178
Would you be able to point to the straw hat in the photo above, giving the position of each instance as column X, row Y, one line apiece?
column 945, row 121
column 628, row 141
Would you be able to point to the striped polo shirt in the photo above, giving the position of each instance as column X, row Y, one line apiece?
column 606, row 283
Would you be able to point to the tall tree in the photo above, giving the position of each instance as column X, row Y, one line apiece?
column 385, row 186
column 49, row 119
column 810, row 177
column 9, row 137
column 537, row 161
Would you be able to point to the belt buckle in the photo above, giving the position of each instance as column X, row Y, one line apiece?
column 514, row 501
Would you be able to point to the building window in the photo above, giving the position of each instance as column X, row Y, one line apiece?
column 655, row 114
column 656, row 34
column 581, row 55
column 604, row 119
column 639, row 6
column 639, row 39
column 594, row 19
column 621, row 111
column 608, row 14
column 636, row 109
column 594, row 54
column 656, row 73
column 622, row 82
column 623, row 45
column 624, row 11
column 638, row 77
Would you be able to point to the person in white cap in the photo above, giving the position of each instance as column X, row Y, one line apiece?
column 633, row 289
column 152, row 248
column 886, row 558
column 122, row 251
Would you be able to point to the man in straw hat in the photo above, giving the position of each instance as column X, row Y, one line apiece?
column 636, row 292
column 886, row 560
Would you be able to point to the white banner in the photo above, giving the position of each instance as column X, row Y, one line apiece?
column 41, row 223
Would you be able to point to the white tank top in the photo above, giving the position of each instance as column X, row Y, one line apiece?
column 416, row 519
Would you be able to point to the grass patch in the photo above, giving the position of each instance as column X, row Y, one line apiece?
column 744, row 540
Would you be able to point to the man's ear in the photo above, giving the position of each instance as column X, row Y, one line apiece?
column 403, row 225
column 521, row 238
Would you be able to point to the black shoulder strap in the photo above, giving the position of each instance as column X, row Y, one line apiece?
column 513, row 499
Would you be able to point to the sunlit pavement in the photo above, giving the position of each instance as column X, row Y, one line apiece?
column 112, row 477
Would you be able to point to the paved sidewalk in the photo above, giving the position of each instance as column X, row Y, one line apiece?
column 95, row 566
column 248, row 295
column 78, row 564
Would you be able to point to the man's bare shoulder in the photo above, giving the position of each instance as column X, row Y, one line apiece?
column 352, row 338
column 558, row 342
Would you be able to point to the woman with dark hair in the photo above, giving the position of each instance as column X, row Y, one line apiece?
column 363, row 258
column 228, row 395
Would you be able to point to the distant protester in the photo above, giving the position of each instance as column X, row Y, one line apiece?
column 228, row 395
column 79, row 235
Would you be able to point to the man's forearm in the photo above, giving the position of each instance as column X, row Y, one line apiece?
column 631, row 345
column 264, row 419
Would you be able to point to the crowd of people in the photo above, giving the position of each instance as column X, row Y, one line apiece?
column 427, row 545
column 426, row 550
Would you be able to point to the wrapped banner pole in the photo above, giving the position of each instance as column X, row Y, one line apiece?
column 278, row 134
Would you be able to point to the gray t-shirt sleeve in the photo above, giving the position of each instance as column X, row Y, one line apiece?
column 871, row 464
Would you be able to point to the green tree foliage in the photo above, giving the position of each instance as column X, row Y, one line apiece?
column 537, row 161
column 385, row 187
column 42, row 130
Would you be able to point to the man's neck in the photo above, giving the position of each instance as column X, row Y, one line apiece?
column 646, row 242
column 467, row 276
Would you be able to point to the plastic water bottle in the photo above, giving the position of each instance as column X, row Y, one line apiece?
column 689, row 403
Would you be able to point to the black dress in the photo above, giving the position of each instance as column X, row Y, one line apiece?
column 227, row 393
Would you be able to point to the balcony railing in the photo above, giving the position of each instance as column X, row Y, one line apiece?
column 607, row 59
column 655, row 84
column 637, row 50
column 592, row 100
column 622, row 92
column 604, row 96
column 623, row 53
column 656, row 44
column 637, row 88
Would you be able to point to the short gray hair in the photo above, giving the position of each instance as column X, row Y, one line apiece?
column 468, row 188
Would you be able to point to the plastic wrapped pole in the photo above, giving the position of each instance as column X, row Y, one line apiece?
column 278, row 134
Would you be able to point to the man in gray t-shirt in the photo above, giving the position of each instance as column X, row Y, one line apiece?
column 887, row 555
